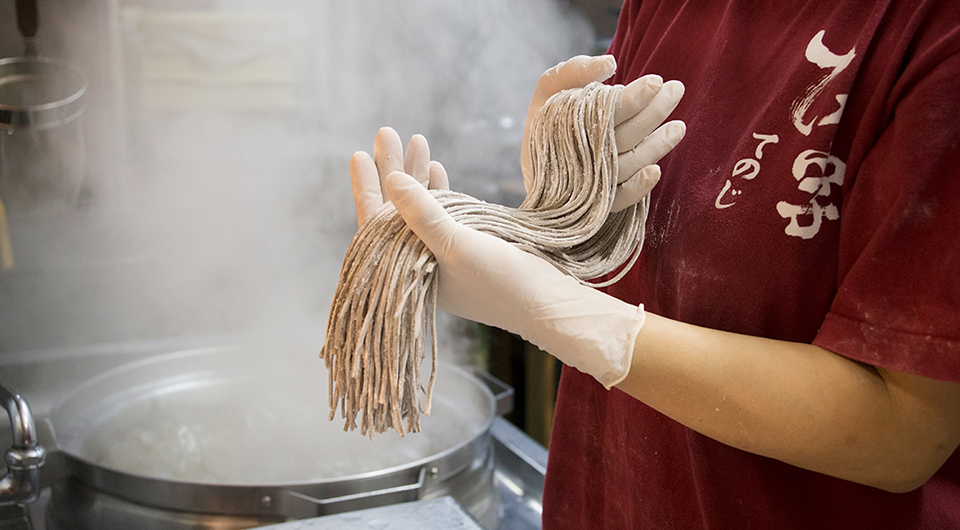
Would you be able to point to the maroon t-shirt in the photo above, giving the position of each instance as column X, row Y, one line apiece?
column 815, row 198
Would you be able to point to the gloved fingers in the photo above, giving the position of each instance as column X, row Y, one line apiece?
column 650, row 150
column 416, row 161
column 387, row 154
column 367, row 195
column 422, row 213
column 636, row 187
column 634, row 129
column 576, row 72
column 438, row 177
column 636, row 96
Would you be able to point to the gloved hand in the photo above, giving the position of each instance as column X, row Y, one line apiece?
column 641, row 139
column 485, row 279
column 367, row 174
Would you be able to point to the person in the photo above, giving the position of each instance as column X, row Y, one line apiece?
column 785, row 354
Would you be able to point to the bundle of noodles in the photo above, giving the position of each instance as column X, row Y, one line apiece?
column 384, row 308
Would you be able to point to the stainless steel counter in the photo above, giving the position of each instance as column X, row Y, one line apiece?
column 521, row 463
column 434, row 514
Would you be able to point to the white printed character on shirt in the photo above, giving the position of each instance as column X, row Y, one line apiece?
column 816, row 171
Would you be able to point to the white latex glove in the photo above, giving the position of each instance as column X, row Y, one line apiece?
column 485, row 279
column 641, row 139
column 367, row 174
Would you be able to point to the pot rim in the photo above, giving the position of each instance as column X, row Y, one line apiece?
column 245, row 498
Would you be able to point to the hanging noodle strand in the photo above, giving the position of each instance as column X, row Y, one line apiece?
column 384, row 307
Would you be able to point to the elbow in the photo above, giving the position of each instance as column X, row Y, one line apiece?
column 901, row 484
column 918, row 464
column 901, row 464
column 905, row 475
column 894, row 468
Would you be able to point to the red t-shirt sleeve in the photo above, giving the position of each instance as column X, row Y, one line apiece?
column 898, row 300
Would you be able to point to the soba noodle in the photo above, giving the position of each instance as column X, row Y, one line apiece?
column 384, row 308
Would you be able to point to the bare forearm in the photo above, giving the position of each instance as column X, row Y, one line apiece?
column 796, row 402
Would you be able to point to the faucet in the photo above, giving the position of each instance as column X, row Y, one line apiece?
column 21, row 486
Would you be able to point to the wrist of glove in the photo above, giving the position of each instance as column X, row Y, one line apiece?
column 485, row 279
column 581, row 326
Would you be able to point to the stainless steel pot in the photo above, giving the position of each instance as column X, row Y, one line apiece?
column 239, row 437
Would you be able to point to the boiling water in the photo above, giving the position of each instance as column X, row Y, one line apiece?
column 244, row 431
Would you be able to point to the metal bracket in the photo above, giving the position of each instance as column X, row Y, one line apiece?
column 502, row 392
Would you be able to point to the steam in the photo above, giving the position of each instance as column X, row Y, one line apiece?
column 220, row 200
